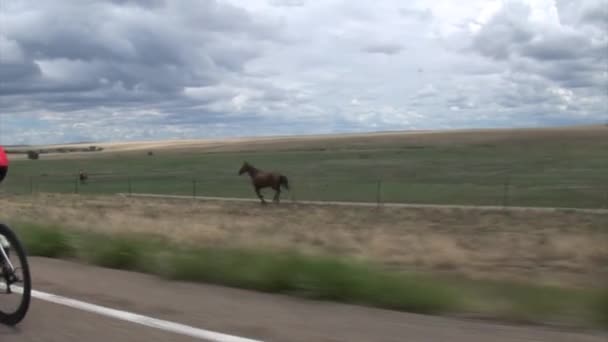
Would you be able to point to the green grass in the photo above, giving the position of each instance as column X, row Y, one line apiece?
column 128, row 252
column 601, row 307
column 321, row 277
column 555, row 172
column 310, row 277
column 46, row 241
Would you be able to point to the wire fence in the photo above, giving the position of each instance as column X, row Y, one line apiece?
column 497, row 190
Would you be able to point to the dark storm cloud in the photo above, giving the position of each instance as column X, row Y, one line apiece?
column 524, row 90
column 143, row 3
column 503, row 32
column 596, row 16
column 459, row 101
column 383, row 48
column 584, row 13
column 128, row 69
column 556, row 47
column 17, row 72
column 125, row 50
column 421, row 15
column 287, row 3
column 195, row 117
column 511, row 34
column 551, row 64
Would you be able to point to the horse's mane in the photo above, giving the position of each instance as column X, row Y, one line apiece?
column 253, row 168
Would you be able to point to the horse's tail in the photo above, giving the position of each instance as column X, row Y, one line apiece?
column 284, row 181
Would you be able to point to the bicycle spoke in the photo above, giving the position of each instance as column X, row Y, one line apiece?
column 15, row 285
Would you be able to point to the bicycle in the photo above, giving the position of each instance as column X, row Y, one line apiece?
column 15, row 279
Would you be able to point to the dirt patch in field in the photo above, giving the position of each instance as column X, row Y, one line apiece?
column 558, row 248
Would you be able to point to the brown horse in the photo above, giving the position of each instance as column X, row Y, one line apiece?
column 261, row 179
column 83, row 176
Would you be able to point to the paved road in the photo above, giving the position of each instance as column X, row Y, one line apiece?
column 232, row 311
column 370, row 204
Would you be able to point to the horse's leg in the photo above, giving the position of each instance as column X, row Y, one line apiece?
column 257, row 191
column 277, row 194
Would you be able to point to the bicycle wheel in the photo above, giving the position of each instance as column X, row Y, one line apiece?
column 15, row 280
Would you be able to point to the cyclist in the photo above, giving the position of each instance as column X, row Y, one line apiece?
column 3, row 171
column 9, row 274
column 3, row 164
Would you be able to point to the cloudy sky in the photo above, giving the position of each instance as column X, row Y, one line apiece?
column 94, row 70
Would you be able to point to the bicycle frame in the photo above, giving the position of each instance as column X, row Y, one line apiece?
column 6, row 259
column 5, row 262
column 11, row 273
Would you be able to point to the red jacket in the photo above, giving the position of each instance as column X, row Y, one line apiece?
column 3, row 158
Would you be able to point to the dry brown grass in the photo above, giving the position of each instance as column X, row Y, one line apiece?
column 559, row 248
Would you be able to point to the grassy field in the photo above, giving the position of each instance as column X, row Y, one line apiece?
column 543, row 267
column 324, row 278
column 566, row 249
column 524, row 265
column 564, row 167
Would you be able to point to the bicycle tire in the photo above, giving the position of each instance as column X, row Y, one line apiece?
column 13, row 318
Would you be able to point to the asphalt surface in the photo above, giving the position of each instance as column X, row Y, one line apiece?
column 231, row 311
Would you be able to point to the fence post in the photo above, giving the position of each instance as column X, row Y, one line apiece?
column 505, row 191
column 194, row 188
column 378, row 193
column 129, row 182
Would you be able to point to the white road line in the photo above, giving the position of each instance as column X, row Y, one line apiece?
column 173, row 327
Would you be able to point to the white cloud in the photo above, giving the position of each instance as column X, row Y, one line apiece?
column 152, row 68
